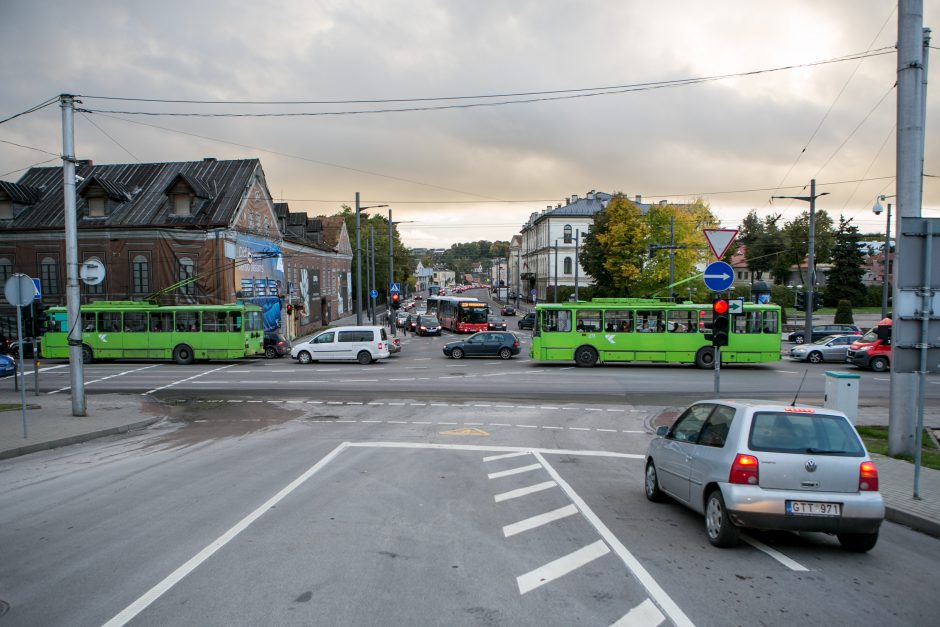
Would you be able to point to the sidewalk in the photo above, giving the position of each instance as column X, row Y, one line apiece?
column 50, row 424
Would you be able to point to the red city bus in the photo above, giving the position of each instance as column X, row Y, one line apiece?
column 463, row 315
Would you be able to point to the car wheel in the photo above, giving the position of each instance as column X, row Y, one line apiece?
column 815, row 357
column 721, row 531
column 270, row 352
column 879, row 364
column 364, row 357
column 456, row 353
column 653, row 492
column 88, row 355
column 183, row 355
column 505, row 353
column 304, row 357
column 798, row 339
column 585, row 357
column 858, row 542
column 705, row 358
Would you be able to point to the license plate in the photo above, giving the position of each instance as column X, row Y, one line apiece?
column 812, row 508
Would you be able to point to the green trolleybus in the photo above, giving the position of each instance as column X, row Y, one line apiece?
column 637, row 329
column 141, row 330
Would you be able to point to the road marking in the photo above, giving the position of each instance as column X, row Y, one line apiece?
column 234, row 401
column 346, row 421
column 513, row 471
column 354, row 402
column 606, row 430
column 663, row 600
column 880, row 379
column 120, row 374
column 774, row 553
column 418, row 404
column 632, row 431
column 592, row 409
column 135, row 608
column 409, row 379
column 376, row 403
column 334, row 402
column 440, row 404
column 447, row 423
column 493, row 458
column 185, row 380
column 551, row 427
column 477, row 424
column 398, row 422
column 787, row 371
column 500, row 424
column 419, row 422
column 503, row 406
column 371, row 421
column 561, row 567
column 646, row 614
column 537, row 521
column 528, row 426
column 358, row 381
column 482, row 405
column 514, row 494
column 614, row 410
column 578, row 429
column 547, row 407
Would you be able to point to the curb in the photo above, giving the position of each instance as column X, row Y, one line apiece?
column 915, row 522
column 76, row 439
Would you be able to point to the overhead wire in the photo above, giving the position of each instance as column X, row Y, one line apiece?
column 41, row 105
column 30, row 148
column 116, row 142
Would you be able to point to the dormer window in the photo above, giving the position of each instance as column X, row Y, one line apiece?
column 182, row 204
column 185, row 194
column 102, row 196
column 6, row 209
column 96, row 207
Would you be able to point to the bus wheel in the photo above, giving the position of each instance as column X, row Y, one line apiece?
column 585, row 357
column 88, row 355
column 705, row 358
column 183, row 355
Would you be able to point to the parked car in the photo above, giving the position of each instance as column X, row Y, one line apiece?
column 527, row 321
column 821, row 331
column 275, row 345
column 502, row 344
column 364, row 344
column 496, row 323
column 7, row 366
column 830, row 348
column 767, row 465
column 428, row 325
column 508, row 310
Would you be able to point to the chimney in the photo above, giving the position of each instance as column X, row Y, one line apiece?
column 639, row 198
column 574, row 198
column 548, row 207
column 663, row 203
column 209, row 159
column 559, row 206
column 590, row 195
column 83, row 162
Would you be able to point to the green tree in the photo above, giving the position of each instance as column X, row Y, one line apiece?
column 763, row 244
column 593, row 255
column 378, row 224
column 845, row 277
column 843, row 313
column 796, row 239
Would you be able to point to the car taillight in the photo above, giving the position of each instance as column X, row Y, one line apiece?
column 380, row 345
column 280, row 343
column 867, row 477
column 744, row 470
column 515, row 344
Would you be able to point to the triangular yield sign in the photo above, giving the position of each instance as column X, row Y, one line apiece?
column 719, row 240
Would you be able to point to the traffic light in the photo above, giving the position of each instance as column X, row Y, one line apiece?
column 42, row 320
column 290, row 310
column 28, row 325
column 800, row 301
column 396, row 300
column 721, row 321
column 817, row 301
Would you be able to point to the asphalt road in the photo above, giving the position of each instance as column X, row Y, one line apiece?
column 407, row 514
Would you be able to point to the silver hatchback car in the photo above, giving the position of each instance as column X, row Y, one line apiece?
column 768, row 466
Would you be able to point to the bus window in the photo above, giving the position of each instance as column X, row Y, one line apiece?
column 161, row 322
column 618, row 321
column 556, row 320
column 235, row 322
column 214, row 321
column 650, row 322
column 109, row 321
column 187, row 321
column 588, row 321
column 770, row 322
column 254, row 322
column 681, row 321
column 748, row 323
column 135, row 322
column 705, row 320
column 88, row 321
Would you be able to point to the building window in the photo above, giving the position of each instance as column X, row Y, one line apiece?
column 95, row 289
column 49, row 275
column 140, row 275
column 96, row 207
column 6, row 209
column 187, row 271
column 567, row 265
column 6, row 270
column 567, row 233
column 182, row 204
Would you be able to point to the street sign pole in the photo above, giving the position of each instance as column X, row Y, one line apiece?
column 717, row 350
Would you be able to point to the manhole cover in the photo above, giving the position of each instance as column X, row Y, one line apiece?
column 4, row 607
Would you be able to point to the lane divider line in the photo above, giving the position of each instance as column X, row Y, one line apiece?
column 202, row 374
column 774, row 553
column 119, row 374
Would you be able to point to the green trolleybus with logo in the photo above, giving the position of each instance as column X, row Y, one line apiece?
column 607, row 330
column 141, row 330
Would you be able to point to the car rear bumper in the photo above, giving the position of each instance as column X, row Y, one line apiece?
column 750, row 506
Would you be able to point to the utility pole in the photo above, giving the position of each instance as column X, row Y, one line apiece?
column 903, row 438
column 391, row 274
column 372, row 262
column 672, row 257
column 810, row 257
column 358, row 266
column 556, row 271
column 72, row 291
column 577, row 260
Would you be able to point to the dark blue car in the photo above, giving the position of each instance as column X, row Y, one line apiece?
column 7, row 366
column 502, row 344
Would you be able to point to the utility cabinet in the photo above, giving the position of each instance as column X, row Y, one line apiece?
column 842, row 393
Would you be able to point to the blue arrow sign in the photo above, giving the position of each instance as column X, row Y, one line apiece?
column 395, row 289
column 374, row 293
column 718, row 276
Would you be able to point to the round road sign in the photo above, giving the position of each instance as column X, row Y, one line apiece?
column 19, row 290
column 718, row 276
column 91, row 272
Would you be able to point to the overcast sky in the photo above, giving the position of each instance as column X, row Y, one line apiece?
column 445, row 169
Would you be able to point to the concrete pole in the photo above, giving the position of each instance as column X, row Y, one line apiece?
column 72, row 291
column 910, row 155
column 372, row 262
column 556, row 271
column 884, row 269
column 391, row 273
column 358, row 266
column 810, row 265
column 577, row 260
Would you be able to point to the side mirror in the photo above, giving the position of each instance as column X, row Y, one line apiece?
column 662, row 431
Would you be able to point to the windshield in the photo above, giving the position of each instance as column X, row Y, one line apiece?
column 473, row 314
column 816, row 434
column 869, row 337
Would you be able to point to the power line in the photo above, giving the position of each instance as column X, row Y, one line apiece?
column 28, row 167
column 41, row 105
column 105, row 133
column 526, row 97
column 30, row 148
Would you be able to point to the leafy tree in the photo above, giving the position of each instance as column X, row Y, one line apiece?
column 593, row 255
column 796, row 238
column 404, row 264
column 843, row 313
column 845, row 277
column 763, row 244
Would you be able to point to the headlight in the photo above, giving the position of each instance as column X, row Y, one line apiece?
column 862, row 349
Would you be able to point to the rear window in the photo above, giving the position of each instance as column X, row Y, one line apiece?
column 816, row 434
column 355, row 336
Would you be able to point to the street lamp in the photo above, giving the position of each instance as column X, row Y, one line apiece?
column 359, row 259
column 877, row 209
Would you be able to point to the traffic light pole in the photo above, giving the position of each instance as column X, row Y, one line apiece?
column 717, row 372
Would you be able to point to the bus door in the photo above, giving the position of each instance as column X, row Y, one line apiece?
column 160, row 344
column 683, row 340
column 554, row 331
column 650, row 339
column 136, row 337
column 215, row 335
column 108, row 342
column 618, row 327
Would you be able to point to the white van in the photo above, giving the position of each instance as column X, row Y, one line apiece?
column 362, row 344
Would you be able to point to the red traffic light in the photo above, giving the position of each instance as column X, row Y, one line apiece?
column 395, row 298
column 720, row 306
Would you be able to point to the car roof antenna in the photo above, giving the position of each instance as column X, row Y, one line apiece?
column 793, row 404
